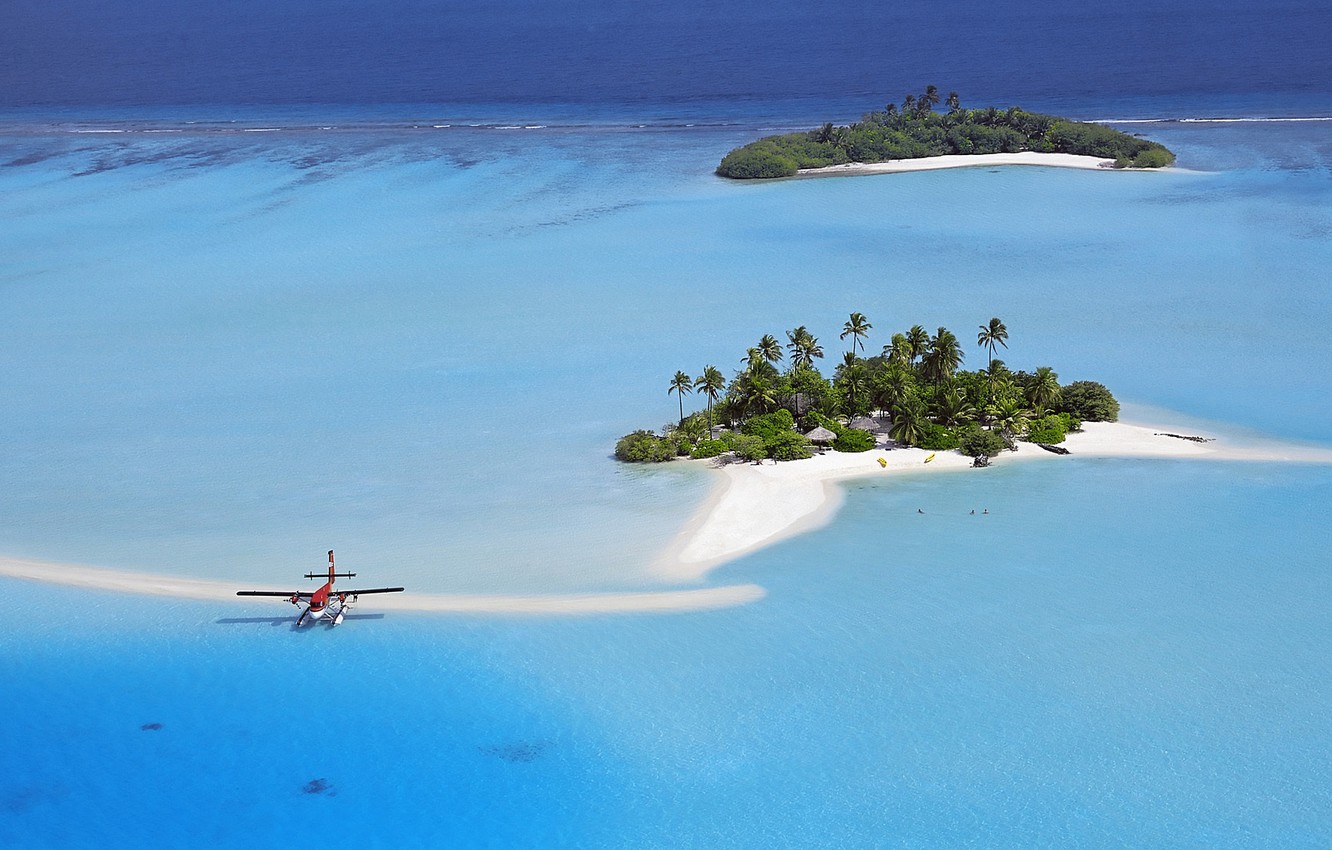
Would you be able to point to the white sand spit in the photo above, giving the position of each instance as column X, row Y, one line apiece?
column 210, row 590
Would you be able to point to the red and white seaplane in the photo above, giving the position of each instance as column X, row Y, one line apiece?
column 324, row 603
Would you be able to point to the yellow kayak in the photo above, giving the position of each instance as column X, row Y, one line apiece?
column 930, row 458
column 883, row 463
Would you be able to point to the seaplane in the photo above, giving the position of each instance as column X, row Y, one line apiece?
column 324, row 603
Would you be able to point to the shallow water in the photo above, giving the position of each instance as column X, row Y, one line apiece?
column 226, row 353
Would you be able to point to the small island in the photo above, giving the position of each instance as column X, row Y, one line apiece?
column 915, row 130
column 912, row 394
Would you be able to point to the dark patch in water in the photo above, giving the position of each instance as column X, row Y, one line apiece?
column 24, row 800
column 28, row 159
column 150, row 727
column 319, row 786
column 520, row 752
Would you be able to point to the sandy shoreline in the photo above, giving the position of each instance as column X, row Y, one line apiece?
column 755, row 506
column 751, row 507
column 983, row 160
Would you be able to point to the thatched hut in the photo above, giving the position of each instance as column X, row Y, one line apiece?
column 821, row 435
column 865, row 423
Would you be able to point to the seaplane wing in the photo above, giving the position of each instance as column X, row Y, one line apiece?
column 283, row 594
column 326, row 603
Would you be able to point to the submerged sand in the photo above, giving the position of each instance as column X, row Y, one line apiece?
column 752, row 506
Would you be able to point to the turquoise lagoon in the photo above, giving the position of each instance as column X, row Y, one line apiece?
column 226, row 352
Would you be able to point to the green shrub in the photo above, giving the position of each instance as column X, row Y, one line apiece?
column 1089, row 401
column 787, row 445
column 684, row 445
column 750, row 448
column 756, row 164
column 769, row 425
column 644, row 447
column 974, row 441
column 854, row 440
column 710, row 448
column 1157, row 157
column 694, row 426
column 937, row 438
column 1047, row 429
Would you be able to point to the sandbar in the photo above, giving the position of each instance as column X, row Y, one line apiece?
column 757, row 505
column 212, row 590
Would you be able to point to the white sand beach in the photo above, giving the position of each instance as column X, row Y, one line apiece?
column 756, row 505
column 983, row 160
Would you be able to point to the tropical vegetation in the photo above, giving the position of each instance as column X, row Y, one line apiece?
column 916, row 129
column 915, row 388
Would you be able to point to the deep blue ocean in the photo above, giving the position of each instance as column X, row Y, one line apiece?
column 391, row 278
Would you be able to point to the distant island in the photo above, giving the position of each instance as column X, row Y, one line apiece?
column 915, row 130
column 915, row 387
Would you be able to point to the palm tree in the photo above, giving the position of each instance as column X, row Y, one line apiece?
column 929, row 99
column 951, row 407
column 908, row 422
column 943, row 357
column 1043, row 389
column 953, row 103
column 991, row 335
column 812, row 351
column 909, row 105
column 754, row 393
column 754, row 359
column 680, row 385
column 919, row 341
column 1009, row 417
column 710, row 383
column 770, row 348
column 856, row 327
column 797, row 338
column 891, row 387
column 855, row 384
column 804, row 347
column 825, row 133
column 898, row 352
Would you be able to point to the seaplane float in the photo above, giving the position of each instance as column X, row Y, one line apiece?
column 324, row 603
